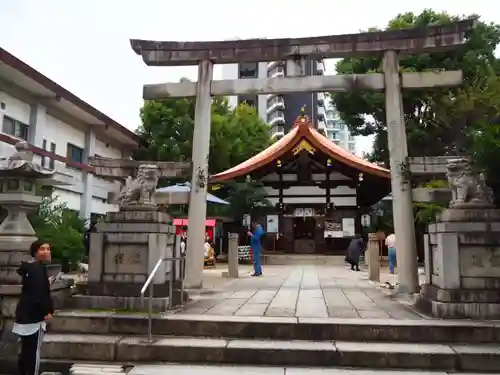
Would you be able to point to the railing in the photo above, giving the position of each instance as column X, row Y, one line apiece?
column 149, row 283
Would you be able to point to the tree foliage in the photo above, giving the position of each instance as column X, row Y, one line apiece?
column 439, row 121
column 62, row 228
column 236, row 135
column 246, row 197
column 167, row 126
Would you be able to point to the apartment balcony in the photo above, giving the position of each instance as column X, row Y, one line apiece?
column 277, row 132
column 321, row 98
column 321, row 112
column 330, row 124
column 321, row 126
column 273, row 64
column 276, row 118
column 320, row 67
column 276, row 72
column 276, row 103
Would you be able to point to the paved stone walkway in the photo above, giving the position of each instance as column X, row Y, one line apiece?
column 300, row 291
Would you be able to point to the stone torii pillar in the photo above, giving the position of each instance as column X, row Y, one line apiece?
column 404, row 229
column 198, row 198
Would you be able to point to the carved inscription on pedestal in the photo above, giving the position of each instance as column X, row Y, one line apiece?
column 479, row 262
column 436, row 261
column 124, row 259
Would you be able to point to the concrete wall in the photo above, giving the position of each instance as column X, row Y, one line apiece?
column 87, row 193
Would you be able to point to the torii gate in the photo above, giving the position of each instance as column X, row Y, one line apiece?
column 294, row 52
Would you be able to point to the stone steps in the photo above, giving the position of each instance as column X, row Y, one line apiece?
column 286, row 328
column 373, row 355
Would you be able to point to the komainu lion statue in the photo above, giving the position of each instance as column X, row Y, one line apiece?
column 141, row 189
column 467, row 188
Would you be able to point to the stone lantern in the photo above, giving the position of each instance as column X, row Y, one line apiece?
column 18, row 180
column 19, row 176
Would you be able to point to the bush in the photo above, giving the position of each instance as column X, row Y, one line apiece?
column 62, row 228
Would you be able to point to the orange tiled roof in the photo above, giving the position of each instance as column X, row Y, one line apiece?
column 302, row 129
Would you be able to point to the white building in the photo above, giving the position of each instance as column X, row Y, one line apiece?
column 279, row 111
column 337, row 131
column 65, row 131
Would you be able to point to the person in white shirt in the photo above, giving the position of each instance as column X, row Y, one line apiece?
column 183, row 247
column 390, row 242
column 207, row 249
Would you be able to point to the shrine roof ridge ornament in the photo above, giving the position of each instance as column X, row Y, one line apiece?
column 415, row 40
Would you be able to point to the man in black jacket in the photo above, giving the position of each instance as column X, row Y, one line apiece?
column 34, row 308
column 354, row 251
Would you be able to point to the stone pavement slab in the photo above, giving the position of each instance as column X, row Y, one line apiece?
column 305, row 291
column 257, row 370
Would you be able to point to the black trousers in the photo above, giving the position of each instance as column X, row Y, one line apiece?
column 28, row 362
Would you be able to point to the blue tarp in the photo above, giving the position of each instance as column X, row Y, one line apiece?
column 186, row 187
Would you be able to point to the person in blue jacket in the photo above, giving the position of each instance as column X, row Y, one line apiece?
column 256, row 247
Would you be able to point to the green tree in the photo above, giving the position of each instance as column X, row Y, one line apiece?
column 438, row 120
column 62, row 228
column 244, row 197
column 167, row 127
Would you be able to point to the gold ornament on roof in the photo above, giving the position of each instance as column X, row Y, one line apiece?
column 303, row 146
column 303, row 113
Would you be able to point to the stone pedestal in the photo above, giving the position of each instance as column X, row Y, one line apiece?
column 462, row 261
column 373, row 255
column 123, row 252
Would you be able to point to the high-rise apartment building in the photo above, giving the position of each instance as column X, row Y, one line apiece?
column 280, row 110
column 337, row 131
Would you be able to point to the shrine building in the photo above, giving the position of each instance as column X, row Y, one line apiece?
column 317, row 190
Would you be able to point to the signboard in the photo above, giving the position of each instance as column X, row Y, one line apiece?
column 308, row 212
column 304, row 212
column 348, row 227
column 333, row 230
column 272, row 224
column 299, row 212
column 247, row 220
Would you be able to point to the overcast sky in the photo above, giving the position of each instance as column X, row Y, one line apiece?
column 84, row 44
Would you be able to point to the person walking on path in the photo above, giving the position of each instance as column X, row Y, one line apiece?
column 256, row 247
column 390, row 242
column 34, row 309
column 354, row 251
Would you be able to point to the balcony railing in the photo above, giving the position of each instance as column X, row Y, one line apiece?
column 276, row 102
column 273, row 64
column 276, row 117
column 276, row 72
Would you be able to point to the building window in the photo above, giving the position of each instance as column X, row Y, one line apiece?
column 248, row 70
column 15, row 128
column 53, row 150
column 44, row 147
column 48, row 162
column 75, row 153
